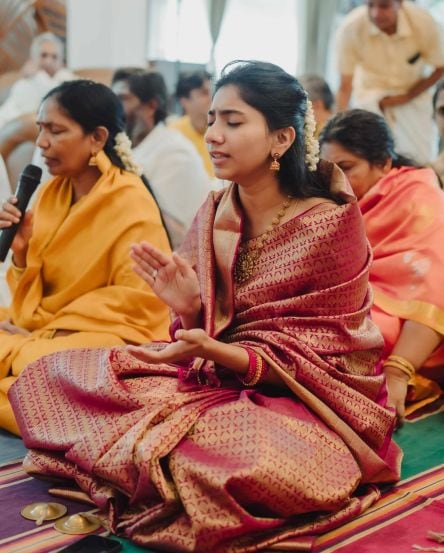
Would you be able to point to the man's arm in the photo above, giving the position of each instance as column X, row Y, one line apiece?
column 423, row 84
column 418, row 88
column 344, row 92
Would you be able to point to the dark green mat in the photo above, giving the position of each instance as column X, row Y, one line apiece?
column 422, row 444
column 130, row 547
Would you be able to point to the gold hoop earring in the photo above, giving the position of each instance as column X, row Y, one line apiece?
column 275, row 165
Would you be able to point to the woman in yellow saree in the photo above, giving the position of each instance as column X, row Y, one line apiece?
column 403, row 210
column 263, row 417
column 71, row 279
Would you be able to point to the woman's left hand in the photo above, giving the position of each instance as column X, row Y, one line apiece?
column 397, row 384
column 190, row 343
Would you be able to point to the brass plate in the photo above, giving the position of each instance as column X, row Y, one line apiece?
column 81, row 523
column 41, row 512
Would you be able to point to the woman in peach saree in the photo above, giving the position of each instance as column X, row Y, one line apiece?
column 403, row 210
column 264, row 419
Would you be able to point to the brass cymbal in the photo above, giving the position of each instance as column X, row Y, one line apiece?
column 43, row 511
column 81, row 523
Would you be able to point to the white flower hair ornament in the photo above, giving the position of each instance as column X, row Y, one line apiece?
column 311, row 143
column 123, row 149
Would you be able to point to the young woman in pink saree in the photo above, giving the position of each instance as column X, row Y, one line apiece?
column 403, row 210
column 264, row 418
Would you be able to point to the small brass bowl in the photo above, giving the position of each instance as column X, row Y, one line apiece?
column 41, row 512
column 81, row 523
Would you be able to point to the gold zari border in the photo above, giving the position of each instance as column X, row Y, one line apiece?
column 414, row 310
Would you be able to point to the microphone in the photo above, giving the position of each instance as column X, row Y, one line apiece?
column 27, row 183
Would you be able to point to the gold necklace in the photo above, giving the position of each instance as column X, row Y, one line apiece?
column 247, row 258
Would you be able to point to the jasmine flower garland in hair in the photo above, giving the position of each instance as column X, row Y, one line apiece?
column 311, row 143
column 123, row 149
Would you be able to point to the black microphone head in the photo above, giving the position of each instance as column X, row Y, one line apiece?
column 32, row 172
column 27, row 183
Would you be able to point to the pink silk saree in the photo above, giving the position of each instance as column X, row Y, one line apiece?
column 178, row 466
column 404, row 221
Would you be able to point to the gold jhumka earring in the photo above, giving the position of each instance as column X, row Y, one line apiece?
column 275, row 165
column 93, row 160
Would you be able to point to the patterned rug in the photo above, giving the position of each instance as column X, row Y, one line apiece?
column 406, row 512
column 19, row 535
column 399, row 520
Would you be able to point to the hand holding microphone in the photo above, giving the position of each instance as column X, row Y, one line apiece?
column 16, row 224
column 11, row 217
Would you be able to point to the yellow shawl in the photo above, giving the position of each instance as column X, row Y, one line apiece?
column 79, row 275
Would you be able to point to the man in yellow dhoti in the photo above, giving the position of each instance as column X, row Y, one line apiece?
column 71, row 277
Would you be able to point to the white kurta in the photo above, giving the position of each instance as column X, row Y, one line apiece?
column 175, row 172
column 27, row 93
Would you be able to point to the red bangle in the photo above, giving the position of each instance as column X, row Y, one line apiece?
column 257, row 369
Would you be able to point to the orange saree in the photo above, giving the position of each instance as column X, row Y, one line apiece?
column 404, row 221
column 181, row 466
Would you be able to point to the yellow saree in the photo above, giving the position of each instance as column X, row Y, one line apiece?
column 79, row 276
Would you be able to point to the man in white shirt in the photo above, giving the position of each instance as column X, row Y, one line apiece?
column 41, row 73
column 170, row 162
column 384, row 49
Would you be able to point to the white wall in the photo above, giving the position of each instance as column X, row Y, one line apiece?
column 106, row 33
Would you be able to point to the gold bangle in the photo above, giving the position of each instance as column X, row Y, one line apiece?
column 401, row 364
column 258, row 373
column 397, row 364
column 399, row 368
column 403, row 361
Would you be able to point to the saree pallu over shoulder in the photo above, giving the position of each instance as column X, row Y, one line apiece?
column 229, row 468
column 78, row 275
column 306, row 312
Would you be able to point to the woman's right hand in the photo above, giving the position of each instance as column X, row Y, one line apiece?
column 172, row 279
column 10, row 215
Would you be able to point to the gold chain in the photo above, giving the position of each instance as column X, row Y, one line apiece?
column 247, row 258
